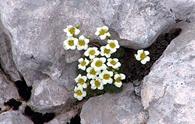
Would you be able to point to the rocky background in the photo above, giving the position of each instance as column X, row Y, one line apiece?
column 37, row 74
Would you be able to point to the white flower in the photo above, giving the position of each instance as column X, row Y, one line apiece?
column 118, row 79
column 113, row 45
column 102, row 32
column 106, row 76
column 105, row 51
column 114, row 63
column 92, row 73
column 142, row 56
column 82, row 43
column 99, row 63
column 92, row 52
column 81, row 81
column 70, row 43
column 96, row 84
column 71, row 31
column 83, row 63
column 79, row 93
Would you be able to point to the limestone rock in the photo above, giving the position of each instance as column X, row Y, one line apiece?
column 14, row 117
column 63, row 118
column 48, row 97
column 181, row 9
column 169, row 90
column 121, row 108
column 6, row 60
column 35, row 29
column 37, row 45
column 37, row 36
column 138, row 22
column 7, row 90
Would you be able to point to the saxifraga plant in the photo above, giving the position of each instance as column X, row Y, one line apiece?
column 98, row 69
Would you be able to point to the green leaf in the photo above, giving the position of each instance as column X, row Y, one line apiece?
column 120, row 53
column 110, row 88
column 78, row 26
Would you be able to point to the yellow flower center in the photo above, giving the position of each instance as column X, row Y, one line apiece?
column 113, row 62
column 143, row 56
column 81, row 43
column 79, row 93
column 72, row 30
column 92, row 72
column 92, row 52
column 71, row 42
column 106, row 51
column 98, row 63
column 97, row 83
column 106, row 76
column 112, row 45
column 83, row 63
column 118, row 79
column 103, row 31
column 81, row 81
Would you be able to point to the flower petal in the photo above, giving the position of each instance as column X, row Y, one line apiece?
column 139, row 52
column 146, row 53
column 143, row 61
column 137, row 57
column 147, row 58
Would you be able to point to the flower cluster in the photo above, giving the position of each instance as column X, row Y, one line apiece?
column 74, row 41
column 97, row 65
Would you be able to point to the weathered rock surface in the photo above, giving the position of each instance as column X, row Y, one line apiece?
column 121, row 108
column 37, row 41
column 48, row 97
column 6, row 60
column 181, row 9
column 7, row 90
column 169, row 90
column 14, row 117
column 37, row 47
column 137, row 22
column 35, row 29
column 64, row 118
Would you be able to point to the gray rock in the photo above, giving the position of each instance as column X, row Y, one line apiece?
column 169, row 90
column 36, row 30
column 14, row 117
column 36, row 35
column 137, row 87
column 63, row 118
column 6, row 59
column 181, row 9
column 138, row 23
column 121, row 108
column 7, row 90
column 37, row 44
column 48, row 97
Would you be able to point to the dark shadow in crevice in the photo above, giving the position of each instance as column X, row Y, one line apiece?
column 23, row 90
column 13, row 104
column 38, row 118
column 75, row 120
column 136, row 71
